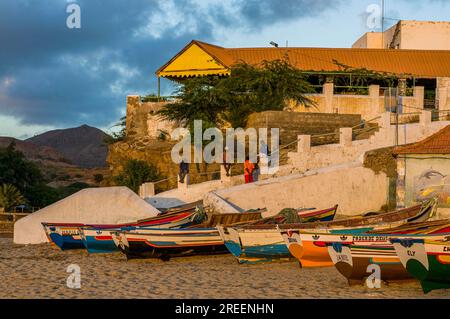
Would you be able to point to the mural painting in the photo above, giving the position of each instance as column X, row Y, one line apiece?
column 432, row 183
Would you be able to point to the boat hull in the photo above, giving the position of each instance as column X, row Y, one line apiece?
column 310, row 246
column 65, row 237
column 251, row 246
column 97, row 238
column 355, row 262
column 427, row 262
column 100, row 241
column 311, row 249
column 165, row 243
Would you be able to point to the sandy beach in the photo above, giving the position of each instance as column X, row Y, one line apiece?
column 40, row 272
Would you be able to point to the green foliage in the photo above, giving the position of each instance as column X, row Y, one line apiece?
column 136, row 173
column 117, row 136
column 72, row 189
column 42, row 195
column 98, row 178
column 154, row 98
column 357, row 80
column 249, row 89
column 19, row 174
column 16, row 170
column 10, row 197
column 200, row 99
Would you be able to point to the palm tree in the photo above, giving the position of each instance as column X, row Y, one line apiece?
column 10, row 197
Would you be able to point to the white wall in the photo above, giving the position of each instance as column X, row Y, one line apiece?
column 356, row 189
column 321, row 156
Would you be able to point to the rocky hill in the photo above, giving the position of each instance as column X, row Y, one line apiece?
column 34, row 152
column 83, row 146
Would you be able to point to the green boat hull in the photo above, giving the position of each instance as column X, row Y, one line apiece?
column 437, row 277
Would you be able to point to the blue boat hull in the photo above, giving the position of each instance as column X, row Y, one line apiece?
column 66, row 242
column 95, row 246
column 259, row 254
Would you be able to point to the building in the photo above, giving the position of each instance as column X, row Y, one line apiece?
column 409, row 35
column 424, row 170
column 425, row 74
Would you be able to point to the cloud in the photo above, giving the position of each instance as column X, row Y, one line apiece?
column 52, row 76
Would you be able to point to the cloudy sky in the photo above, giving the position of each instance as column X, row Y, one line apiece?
column 55, row 77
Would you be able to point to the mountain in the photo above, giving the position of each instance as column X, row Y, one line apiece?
column 33, row 151
column 83, row 146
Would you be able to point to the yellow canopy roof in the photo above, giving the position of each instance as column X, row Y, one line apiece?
column 200, row 59
column 192, row 61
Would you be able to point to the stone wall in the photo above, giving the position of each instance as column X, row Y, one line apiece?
column 142, row 121
column 157, row 153
column 292, row 124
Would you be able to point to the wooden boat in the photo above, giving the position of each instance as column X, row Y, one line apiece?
column 352, row 255
column 65, row 236
column 305, row 241
column 167, row 243
column 426, row 260
column 71, row 236
column 263, row 243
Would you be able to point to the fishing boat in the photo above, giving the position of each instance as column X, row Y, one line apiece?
column 262, row 242
column 65, row 236
column 307, row 242
column 426, row 260
column 71, row 236
column 353, row 256
column 167, row 243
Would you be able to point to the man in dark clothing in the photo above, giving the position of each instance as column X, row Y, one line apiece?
column 184, row 170
column 226, row 165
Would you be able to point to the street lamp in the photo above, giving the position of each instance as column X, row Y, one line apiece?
column 274, row 44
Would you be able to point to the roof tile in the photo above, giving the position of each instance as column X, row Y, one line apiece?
column 438, row 143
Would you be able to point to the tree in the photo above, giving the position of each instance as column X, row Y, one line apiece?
column 120, row 135
column 216, row 100
column 137, row 172
column 199, row 99
column 98, row 178
column 10, row 197
column 16, row 170
column 42, row 195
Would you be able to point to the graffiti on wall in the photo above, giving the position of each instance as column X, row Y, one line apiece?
column 432, row 183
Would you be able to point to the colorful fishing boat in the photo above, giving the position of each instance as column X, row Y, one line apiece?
column 167, row 243
column 353, row 256
column 98, row 239
column 65, row 236
column 71, row 236
column 427, row 261
column 307, row 242
column 262, row 242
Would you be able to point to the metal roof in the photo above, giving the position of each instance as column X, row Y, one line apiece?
column 418, row 63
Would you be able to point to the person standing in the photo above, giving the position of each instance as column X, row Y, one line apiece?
column 184, row 171
column 256, row 171
column 248, row 171
column 226, row 165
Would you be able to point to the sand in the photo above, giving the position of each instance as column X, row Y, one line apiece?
column 40, row 272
